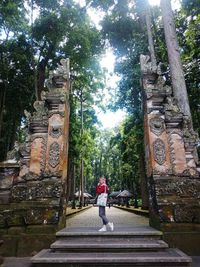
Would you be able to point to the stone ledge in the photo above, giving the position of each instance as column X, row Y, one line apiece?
column 70, row 211
column 134, row 210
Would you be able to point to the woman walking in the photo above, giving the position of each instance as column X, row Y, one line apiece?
column 102, row 188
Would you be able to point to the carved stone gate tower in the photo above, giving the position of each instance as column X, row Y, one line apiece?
column 32, row 194
column 172, row 165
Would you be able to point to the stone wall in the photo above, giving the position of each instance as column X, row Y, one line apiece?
column 33, row 191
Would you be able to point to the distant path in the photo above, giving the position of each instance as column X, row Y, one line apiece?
column 90, row 218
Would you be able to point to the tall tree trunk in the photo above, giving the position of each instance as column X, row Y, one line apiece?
column 69, row 179
column 149, row 33
column 82, row 163
column 41, row 77
column 176, row 69
column 143, row 183
column 74, row 187
column 3, row 99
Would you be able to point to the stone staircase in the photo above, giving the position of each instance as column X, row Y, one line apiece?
column 126, row 247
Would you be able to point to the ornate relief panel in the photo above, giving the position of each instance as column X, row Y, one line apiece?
column 159, row 152
column 54, row 154
column 157, row 126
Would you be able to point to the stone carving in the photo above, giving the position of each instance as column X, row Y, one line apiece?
column 40, row 190
column 14, row 218
column 38, row 122
column 52, row 112
column 56, row 129
column 41, row 216
column 27, row 116
column 34, row 194
column 187, row 214
column 189, row 134
column 34, row 216
column 178, row 187
column 41, row 110
column 19, row 193
column 48, row 84
column 159, row 151
column 14, row 153
column 24, row 151
column 54, row 154
column 171, row 144
column 63, row 68
column 59, row 76
column 146, row 65
column 172, row 111
column 157, row 126
column 43, row 154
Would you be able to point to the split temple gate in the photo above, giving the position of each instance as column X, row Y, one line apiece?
column 32, row 193
column 172, row 169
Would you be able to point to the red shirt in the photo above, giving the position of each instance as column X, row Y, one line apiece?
column 101, row 188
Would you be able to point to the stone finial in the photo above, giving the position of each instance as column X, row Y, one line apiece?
column 63, row 68
column 58, row 78
column 40, row 108
column 28, row 116
column 171, row 105
column 146, row 65
column 14, row 153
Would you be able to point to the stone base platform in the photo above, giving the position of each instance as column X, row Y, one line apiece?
column 26, row 241
column 126, row 246
column 183, row 236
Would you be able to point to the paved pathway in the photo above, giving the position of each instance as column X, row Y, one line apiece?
column 90, row 218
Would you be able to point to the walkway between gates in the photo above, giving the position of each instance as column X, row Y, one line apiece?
column 89, row 219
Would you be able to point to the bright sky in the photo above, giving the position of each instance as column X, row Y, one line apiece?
column 111, row 119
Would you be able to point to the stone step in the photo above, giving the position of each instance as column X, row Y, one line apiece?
column 119, row 233
column 67, row 245
column 166, row 258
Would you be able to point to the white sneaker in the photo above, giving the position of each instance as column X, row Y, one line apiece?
column 111, row 226
column 103, row 229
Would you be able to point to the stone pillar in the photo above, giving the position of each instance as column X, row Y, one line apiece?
column 172, row 167
column 35, row 197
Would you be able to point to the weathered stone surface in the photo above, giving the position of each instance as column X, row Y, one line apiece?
column 157, row 125
column 5, row 197
column 41, row 229
column 177, row 149
column 44, row 189
column 14, row 218
column 187, row 213
column 31, row 192
column 171, row 161
column 2, row 221
column 19, row 192
column 54, row 154
column 159, row 151
column 8, row 174
column 38, row 242
column 178, row 187
column 16, row 230
column 38, row 149
column 41, row 216
column 9, row 248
